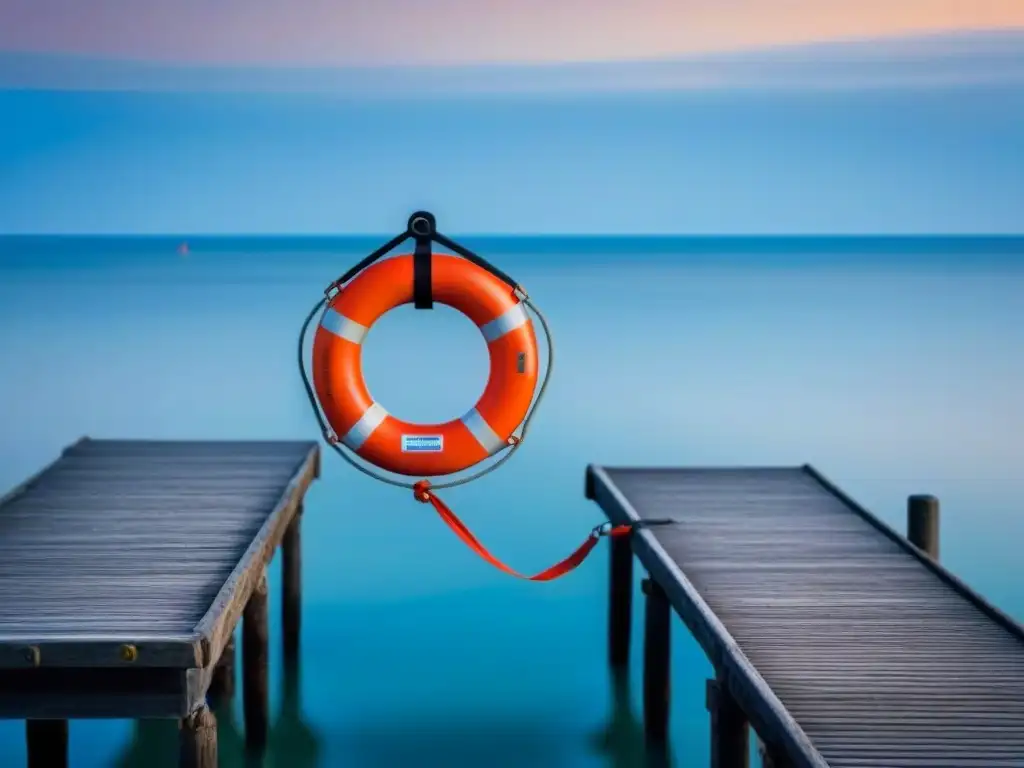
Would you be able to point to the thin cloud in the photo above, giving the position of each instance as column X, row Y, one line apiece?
column 993, row 58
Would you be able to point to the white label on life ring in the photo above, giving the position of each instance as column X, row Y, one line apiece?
column 422, row 443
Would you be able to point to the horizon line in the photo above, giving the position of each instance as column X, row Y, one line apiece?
column 521, row 235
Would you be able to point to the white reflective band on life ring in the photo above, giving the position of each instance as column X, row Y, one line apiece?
column 363, row 428
column 341, row 326
column 482, row 431
column 509, row 321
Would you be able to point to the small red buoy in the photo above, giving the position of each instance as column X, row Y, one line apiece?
column 183, row 249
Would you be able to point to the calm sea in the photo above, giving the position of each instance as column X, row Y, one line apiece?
column 895, row 366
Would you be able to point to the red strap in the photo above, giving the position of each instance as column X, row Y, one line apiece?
column 423, row 493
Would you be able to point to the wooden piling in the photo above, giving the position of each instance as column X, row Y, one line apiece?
column 772, row 757
column 291, row 605
column 47, row 743
column 198, row 740
column 923, row 523
column 730, row 735
column 222, row 684
column 255, row 664
column 804, row 690
column 656, row 663
column 620, row 601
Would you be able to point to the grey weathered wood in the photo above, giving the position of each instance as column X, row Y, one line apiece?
column 28, row 482
column 75, row 651
column 218, row 623
column 730, row 735
column 620, row 601
column 291, row 579
column 46, row 742
column 222, row 681
column 255, row 667
column 997, row 616
column 806, row 604
column 657, row 659
column 120, row 582
column 198, row 740
column 21, row 652
column 923, row 524
column 61, row 692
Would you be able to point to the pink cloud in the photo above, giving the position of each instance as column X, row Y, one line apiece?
column 381, row 32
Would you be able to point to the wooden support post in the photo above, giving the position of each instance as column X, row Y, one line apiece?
column 772, row 757
column 620, row 601
column 255, row 663
column 730, row 735
column 222, row 685
column 923, row 524
column 47, row 743
column 291, row 606
column 198, row 740
column 656, row 663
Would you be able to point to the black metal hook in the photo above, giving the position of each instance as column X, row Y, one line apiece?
column 422, row 228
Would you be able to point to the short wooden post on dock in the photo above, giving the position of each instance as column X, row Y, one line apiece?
column 620, row 601
column 291, row 605
column 923, row 524
column 222, row 684
column 656, row 663
column 730, row 735
column 198, row 740
column 255, row 664
column 46, row 742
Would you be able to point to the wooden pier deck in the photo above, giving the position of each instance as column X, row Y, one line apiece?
column 841, row 643
column 125, row 567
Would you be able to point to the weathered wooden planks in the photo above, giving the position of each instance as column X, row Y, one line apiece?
column 125, row 566
column 843, row 644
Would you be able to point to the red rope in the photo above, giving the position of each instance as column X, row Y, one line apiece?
column 423, row 494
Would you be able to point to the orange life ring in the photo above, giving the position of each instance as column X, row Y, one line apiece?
column 365, row 427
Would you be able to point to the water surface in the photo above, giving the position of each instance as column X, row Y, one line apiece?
column 894, row 366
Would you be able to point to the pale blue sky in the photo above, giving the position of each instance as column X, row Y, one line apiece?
column 903, row 137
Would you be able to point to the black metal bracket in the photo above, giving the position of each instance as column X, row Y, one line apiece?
column 422, row 228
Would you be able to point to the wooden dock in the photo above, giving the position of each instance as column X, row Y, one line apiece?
column 125, row 567
column 840, row 642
